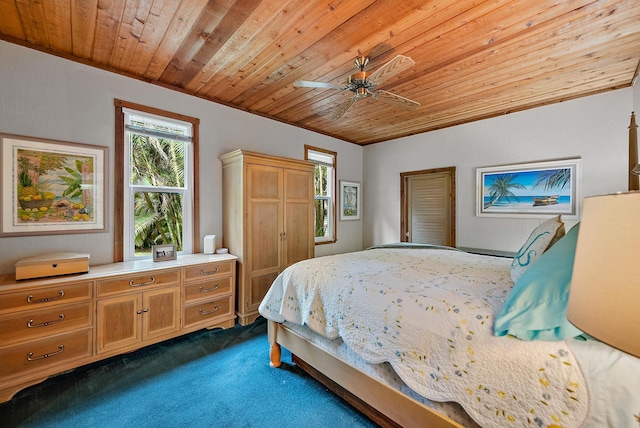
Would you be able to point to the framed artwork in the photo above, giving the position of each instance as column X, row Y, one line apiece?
column 51, row 187
column 349, row 200
column 533, row 190
column 164, row 252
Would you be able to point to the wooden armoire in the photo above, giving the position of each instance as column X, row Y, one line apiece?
column 268, row 222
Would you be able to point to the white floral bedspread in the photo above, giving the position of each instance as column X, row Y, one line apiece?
column 429, row 313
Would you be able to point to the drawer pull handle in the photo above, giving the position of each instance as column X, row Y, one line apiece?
column 215, row 309
column 207, row 290
column 30, row 356
column 211, row 272
column 46, row 299
column 30, row 324
column 140, row 284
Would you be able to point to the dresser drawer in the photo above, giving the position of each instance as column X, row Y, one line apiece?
column 25, row 326
column 208, row 270
column 137, row 283
column 45, row 296
column 46, row 353
column 207, row 289
column 206, row 312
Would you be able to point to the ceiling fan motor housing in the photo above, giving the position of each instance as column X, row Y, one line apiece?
column 360, row 85
column 359, row 78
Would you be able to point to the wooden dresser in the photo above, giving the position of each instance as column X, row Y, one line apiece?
column 267, row 220
column 51, row 325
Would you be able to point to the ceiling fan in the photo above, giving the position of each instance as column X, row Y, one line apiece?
column 364, row 84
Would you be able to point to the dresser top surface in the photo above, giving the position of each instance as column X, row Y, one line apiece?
column 111, row 269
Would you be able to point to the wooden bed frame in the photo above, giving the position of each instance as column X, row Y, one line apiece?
column 380, row 402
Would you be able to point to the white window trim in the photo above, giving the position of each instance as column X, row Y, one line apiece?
column 322, row 158
column 129, row 190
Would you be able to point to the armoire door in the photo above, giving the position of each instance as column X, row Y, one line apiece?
column 298, row 208
column 266, row 230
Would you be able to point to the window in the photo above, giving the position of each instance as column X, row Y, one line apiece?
column 158, row 181
column 324, row 188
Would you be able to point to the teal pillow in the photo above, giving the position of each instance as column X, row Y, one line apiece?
column 536, row 308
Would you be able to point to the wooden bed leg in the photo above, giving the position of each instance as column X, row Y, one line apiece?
column 274, row 355
column 274, row 351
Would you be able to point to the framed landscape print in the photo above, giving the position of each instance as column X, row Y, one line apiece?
column 349, row 200
column 534, row 190
column 51, row 187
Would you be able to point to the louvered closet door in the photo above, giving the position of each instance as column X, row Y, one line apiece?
column 429, row 209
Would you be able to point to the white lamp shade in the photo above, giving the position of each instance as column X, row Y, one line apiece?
column 604, row 300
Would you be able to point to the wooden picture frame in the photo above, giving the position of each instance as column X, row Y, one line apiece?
column 52, row 187
column 529, row 190
column 350, row 200
column 164, row 252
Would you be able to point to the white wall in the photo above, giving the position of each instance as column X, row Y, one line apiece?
column 593, row 128
column 49, row 97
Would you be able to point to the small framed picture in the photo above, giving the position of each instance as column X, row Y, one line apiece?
column 349, row 200
column 164, row 252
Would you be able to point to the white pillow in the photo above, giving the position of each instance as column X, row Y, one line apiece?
column 540, row 240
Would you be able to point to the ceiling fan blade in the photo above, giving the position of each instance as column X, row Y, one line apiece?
column 398, row 64
column 396, row 100
column 323, row 85
column 342, row 108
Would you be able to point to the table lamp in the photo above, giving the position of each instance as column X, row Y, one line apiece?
column 604, row 300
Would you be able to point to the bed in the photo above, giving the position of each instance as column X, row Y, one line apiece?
column 433, row 336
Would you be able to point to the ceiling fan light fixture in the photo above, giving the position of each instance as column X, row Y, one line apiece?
column 361, row 62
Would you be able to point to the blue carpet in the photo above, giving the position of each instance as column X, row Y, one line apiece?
column 210, row 378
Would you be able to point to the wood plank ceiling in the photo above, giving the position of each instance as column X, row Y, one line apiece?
column 474, row 59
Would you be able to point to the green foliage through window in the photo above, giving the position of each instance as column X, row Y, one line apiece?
column 324, row 192
column 322, row 201
column 157, row 163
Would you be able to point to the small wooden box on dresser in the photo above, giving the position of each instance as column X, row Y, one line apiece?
column 50, row 325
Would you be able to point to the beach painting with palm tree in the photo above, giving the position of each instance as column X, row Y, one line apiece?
column 535, row 189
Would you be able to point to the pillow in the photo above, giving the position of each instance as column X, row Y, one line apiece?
column 536, row 308
column 540, row 240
